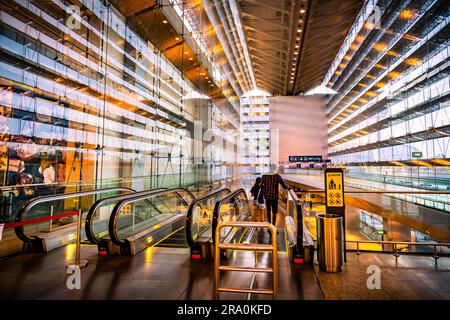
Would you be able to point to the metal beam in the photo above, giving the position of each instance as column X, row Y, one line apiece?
column 264, row 21
column 262, row 4
column 274, row 46
column 148, row 9
column 266, row 34
column 269, row 62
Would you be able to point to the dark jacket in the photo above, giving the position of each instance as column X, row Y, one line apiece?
column 270, row 183
column 254, row 191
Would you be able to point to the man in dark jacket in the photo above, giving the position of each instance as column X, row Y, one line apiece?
column 269, row 184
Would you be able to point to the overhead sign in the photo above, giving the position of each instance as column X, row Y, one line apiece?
column 305, row 158
column 334, row 188
column 417, row 154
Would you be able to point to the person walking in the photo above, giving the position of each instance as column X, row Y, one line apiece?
column 269, row 184
column 258, row 200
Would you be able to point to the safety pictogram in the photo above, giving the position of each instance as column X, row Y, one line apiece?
column 334, row 188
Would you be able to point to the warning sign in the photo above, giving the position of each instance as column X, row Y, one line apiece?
column 334, row 188
column 3, row 163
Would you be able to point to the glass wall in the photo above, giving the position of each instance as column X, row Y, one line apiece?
column 86, row 103
column 389, row 121
column 255, row 135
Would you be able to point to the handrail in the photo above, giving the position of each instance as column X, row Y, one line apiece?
column 395, row 250
column 61, row 196
column 219, row 204
column 412, row 243
column 89, row 218
column 113, row 219
column 299, row 218
column 248, row 247
column 193, row 204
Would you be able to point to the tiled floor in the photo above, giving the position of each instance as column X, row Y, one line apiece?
column 156, row 273
column 169, row 273
column 414, row 278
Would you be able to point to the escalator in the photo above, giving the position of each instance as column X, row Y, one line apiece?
column 134, row 222
column 300, row 245
column 97, row 219
column 199, row 220
column 203, row 218
column 49, row 222
column 176, row 239
column 159, row 218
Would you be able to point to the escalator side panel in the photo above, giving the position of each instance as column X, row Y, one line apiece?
column 152, row 236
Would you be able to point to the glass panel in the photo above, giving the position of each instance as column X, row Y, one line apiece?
column 61, row 209
column 139, row 215
column 202, row 214
column 234, row 208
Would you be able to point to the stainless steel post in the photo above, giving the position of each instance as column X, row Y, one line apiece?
column 330, row 242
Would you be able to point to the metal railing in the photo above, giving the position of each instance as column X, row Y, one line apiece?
column 43, row 199
column 192, row 206
column 255, row 247
column 396, row 251
column 113, row 220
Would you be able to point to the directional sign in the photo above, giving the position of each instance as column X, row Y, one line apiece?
column 334, row 187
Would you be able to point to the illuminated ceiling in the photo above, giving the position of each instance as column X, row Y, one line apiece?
column 292, row 43
column 284, row 47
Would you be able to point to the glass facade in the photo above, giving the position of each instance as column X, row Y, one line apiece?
column 86, row 102
column 389, row 121
column 255, row 135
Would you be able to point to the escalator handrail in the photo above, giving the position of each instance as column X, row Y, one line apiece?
column 52, row 197
column 219, row 203
column 299, row 226
column 193, row 204
column 113, row 219
column 89, row 223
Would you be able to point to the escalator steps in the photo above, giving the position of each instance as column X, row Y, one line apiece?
column 178, row 239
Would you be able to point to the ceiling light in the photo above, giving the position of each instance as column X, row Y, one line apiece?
column 292, row 81
column 186, row 52
column 165, row 21
column 299, row 30
column 295, row 52
column 297, row 46
column 177, row 38
column 302, row 10
column 190, row 59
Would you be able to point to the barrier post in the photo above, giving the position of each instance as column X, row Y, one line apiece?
column 78, row 262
